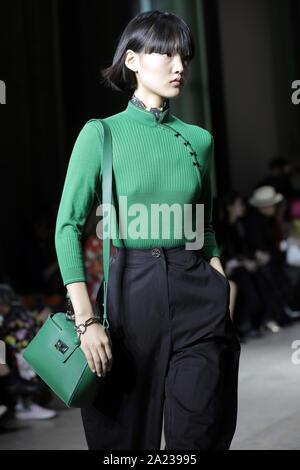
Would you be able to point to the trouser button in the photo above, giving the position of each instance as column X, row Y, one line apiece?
column 155, row 252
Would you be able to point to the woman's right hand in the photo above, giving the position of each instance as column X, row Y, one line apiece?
column 97, row 347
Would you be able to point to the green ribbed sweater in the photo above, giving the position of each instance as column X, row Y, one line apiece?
column 152, row 163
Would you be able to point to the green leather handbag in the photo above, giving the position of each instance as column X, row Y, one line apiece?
column 54, row 353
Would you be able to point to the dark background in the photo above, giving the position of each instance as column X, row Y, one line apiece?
column 51, row 55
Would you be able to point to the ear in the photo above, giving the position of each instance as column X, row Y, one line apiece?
column 131, row 60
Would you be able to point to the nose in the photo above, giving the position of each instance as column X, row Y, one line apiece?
column 177, row 64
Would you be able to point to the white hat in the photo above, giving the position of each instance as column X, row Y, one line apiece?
column 265, row 196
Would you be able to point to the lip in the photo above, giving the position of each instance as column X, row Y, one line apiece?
column 177, row 82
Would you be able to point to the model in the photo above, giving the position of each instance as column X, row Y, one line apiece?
column 172, row 350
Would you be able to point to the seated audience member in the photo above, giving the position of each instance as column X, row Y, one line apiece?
column 19, row 382
column 274, row 285
column 290, row 245
column 239, row 265
column 280, row 177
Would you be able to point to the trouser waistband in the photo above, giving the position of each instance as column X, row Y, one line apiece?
column 156, row 252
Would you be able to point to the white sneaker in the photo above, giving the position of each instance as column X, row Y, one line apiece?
column 273, row 326
column 3, row 410
column 291, row 313
column 33, row 411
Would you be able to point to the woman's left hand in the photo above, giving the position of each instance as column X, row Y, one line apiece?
column 216, row 263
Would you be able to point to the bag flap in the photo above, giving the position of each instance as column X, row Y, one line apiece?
column 61, row 336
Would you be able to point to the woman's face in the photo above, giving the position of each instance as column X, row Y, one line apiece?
column 268, row 210
column 239, row 207
column 155, row 72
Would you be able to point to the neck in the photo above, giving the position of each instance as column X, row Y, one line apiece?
column 151, row 100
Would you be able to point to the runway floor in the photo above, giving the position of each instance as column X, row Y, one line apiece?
column 269, row 404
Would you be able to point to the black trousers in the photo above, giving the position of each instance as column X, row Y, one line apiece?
column 175, row 355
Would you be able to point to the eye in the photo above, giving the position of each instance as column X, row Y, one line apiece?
column 167, row 53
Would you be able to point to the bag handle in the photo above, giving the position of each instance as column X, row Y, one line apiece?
column 106, row 199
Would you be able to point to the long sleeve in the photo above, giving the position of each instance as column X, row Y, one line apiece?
column 210, row 247
column 82, row 184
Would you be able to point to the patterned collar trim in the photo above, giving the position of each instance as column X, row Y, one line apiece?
column 156, row 111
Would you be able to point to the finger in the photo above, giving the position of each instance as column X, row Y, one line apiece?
column 104, row 359
column 89, row 359
column 109, row 355
column 97, row 361
column 108, row 335
column 108, row 349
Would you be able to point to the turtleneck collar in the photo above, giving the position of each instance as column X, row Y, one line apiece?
column 145, row 116
column 155, row 110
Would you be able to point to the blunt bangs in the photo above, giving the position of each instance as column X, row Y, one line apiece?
column 169, row 34
column 147, row 32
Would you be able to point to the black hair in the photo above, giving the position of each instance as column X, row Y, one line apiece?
column 229, row 197
column 147, row 32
